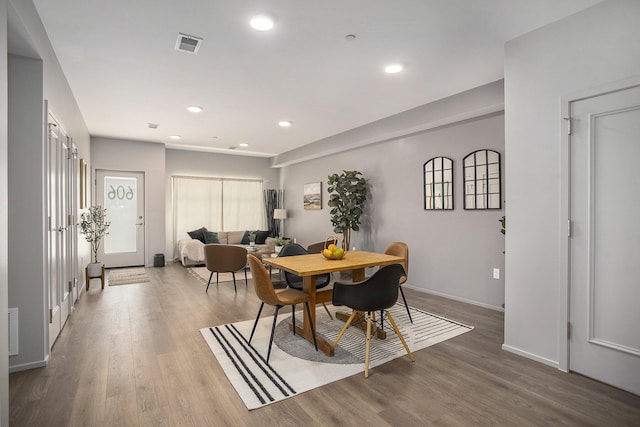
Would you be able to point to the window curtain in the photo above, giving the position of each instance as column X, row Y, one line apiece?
column 219, row 204
column 273, row 199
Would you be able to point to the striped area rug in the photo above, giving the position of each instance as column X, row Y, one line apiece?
column 295, row 366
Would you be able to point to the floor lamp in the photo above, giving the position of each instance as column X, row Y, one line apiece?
column 280, row 214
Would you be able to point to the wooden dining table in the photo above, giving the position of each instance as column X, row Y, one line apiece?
column 309, row 266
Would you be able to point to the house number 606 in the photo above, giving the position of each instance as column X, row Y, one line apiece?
column 120, row 193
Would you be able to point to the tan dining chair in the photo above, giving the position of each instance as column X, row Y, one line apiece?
column 277, row 298
column 225, row 259
column 316, row 248
column 377, row 293
column 402, row 250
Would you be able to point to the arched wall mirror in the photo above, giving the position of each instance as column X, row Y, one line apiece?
column 438, row 184
column 482, row 181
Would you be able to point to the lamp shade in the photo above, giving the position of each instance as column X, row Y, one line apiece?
column 279, row 214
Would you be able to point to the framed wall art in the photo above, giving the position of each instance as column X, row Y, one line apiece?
column 482, row 180
column 313, row 196
column 438, row 184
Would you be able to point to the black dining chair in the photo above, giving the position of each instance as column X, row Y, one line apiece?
column 377, row 293
column 294, row 281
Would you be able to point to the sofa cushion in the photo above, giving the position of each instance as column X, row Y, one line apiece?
column 197, row 234
column 211, row 237
column 234, row 237
column 223, row 237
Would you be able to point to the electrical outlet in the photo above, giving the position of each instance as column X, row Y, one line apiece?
column 496, row 273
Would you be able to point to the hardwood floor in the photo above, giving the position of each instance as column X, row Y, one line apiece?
column 133, row 355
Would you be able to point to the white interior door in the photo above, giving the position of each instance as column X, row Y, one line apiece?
column 122, row 194
column 604, row 308
column 58, row 278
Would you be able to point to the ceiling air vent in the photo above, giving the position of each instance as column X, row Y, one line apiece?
column 187, row 43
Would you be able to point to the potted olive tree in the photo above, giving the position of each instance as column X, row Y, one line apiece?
column 347, row 196
column 94, row 226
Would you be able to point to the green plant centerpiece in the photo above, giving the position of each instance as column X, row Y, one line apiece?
column 279, row 241
column 347, row 196
column 252, row 237
column 94, row 226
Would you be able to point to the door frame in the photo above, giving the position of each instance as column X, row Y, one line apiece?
column 65, row 216
column 565, row 207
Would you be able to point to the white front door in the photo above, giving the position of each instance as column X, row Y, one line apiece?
column 122, row 195
column 604, row 309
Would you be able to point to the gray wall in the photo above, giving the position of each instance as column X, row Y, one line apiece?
column 596, row 46
column 136, row 156
column 452, row 253
column 27, row 216
column 35, row 76
column 193, row 163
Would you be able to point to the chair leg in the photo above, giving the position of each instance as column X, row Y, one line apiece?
column 405, row 304
column 368, row 348
column 313, row 331
column 293, row 317
column 217, row 277
column 344, row 328
column 273, row 329
column 256, row 323
column 233, row 273
column 327, row 310
column 395, row 328
column 246, row 281
column 209, row 282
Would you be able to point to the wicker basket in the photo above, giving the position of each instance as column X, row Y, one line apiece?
column 336, row 240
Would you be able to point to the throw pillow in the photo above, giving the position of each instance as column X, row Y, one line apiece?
column 211, row 237
column 261, row 237
column 245, row 238
column 197, row 234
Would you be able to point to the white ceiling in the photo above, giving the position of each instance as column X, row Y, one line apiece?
column 119, row 59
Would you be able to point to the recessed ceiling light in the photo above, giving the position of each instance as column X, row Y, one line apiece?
column 284, row 123
column 243, row 144
column 194, row 108
column 175, row 137
column 153, row 125
column 393, row 68
column 350, row 37
column 262, row 22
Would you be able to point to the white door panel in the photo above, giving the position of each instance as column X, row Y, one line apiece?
column 605, row 242
column 60, row 249
column 122, row 194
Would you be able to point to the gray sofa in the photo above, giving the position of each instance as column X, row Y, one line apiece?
column 190, row 251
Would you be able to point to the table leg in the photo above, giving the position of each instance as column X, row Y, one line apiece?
column 309, row 286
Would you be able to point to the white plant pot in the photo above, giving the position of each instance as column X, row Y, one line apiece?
column 278, row 249
column 95, row 269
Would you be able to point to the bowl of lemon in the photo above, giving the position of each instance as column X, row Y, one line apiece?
column 333, row 252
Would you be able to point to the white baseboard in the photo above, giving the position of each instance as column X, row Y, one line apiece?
column 531, row 356
column 453, row 297
column 30, row 365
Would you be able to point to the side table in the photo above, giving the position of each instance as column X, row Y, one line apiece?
column 88, row 278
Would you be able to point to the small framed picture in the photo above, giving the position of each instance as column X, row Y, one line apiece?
column 83, row 184
column 313, row 196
